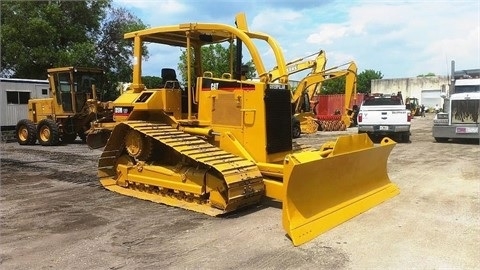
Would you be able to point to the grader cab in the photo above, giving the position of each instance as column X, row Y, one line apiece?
column 229, row 143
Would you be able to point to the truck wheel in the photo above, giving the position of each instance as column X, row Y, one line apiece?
column 373, row 137
column 441, row 140
column 406, row 137
column 296, row 130
column 48, row 133
column 26, row 132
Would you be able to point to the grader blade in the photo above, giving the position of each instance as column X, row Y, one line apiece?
column 98, row 139
column 326, row 188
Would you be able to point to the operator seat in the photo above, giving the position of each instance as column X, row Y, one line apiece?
column 169, row 79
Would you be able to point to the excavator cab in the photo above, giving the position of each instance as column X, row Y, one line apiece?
column 237, row 148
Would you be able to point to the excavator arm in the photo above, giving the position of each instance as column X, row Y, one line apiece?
column 317, row 65
column 306, row 88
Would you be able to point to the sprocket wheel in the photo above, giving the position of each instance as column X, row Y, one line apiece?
column 138, row 145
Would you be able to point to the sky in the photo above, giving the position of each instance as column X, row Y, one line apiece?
column 401, row 39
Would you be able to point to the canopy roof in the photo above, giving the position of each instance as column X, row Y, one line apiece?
column 176, row 35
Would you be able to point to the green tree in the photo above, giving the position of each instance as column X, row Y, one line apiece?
column 364, row 80
column 37, row 35
column 151, row 81
column 113, row 52
column 430, row 74
column 333, row 86
column 364, row 83
column 215, row 58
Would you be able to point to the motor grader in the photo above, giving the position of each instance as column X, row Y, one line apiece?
column 222, row 143
column 68, row 111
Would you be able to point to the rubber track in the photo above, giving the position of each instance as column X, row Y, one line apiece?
column 241, row 176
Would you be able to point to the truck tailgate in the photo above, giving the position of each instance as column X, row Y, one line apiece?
column 377, row 115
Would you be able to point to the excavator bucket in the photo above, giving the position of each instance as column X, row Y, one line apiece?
column 328, row 187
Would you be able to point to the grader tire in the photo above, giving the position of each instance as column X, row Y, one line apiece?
column 296, row 128
column 26, row 132
column 48, row 133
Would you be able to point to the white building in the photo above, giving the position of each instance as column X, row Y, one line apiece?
column 14, row 96
column 426, row 89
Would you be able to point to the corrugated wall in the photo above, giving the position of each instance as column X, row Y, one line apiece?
column 10, row 114
column 328, row 104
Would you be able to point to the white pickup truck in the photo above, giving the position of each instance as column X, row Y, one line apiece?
column 385, row 115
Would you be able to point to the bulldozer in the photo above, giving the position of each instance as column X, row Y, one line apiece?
column 220, row 143
column 68, row 112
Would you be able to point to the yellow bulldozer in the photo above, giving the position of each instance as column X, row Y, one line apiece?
column 219, row 142
column 69, row 110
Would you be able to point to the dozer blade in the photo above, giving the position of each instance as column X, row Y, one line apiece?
column 323, row 191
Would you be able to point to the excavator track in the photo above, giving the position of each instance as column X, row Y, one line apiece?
column 235, row 180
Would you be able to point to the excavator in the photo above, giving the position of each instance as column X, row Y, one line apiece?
column 221, row 143
column 317, row 65
column 304, row 121
column 310, row 86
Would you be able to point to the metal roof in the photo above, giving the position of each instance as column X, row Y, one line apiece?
column 176, row 35
column 18, row 80
column 467, row 73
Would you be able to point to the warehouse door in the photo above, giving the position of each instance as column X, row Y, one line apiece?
column 430, row 98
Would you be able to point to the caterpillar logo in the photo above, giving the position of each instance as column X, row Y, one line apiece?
column 122, row 111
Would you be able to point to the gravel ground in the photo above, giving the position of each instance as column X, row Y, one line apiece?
column 55, row 215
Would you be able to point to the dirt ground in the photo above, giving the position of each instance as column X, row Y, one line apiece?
column 55, row 215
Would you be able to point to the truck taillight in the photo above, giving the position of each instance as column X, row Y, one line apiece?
column 409, row 117
column 359, row 117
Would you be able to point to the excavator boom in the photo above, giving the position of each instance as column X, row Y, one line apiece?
column 310, row 86
column 301, row 64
